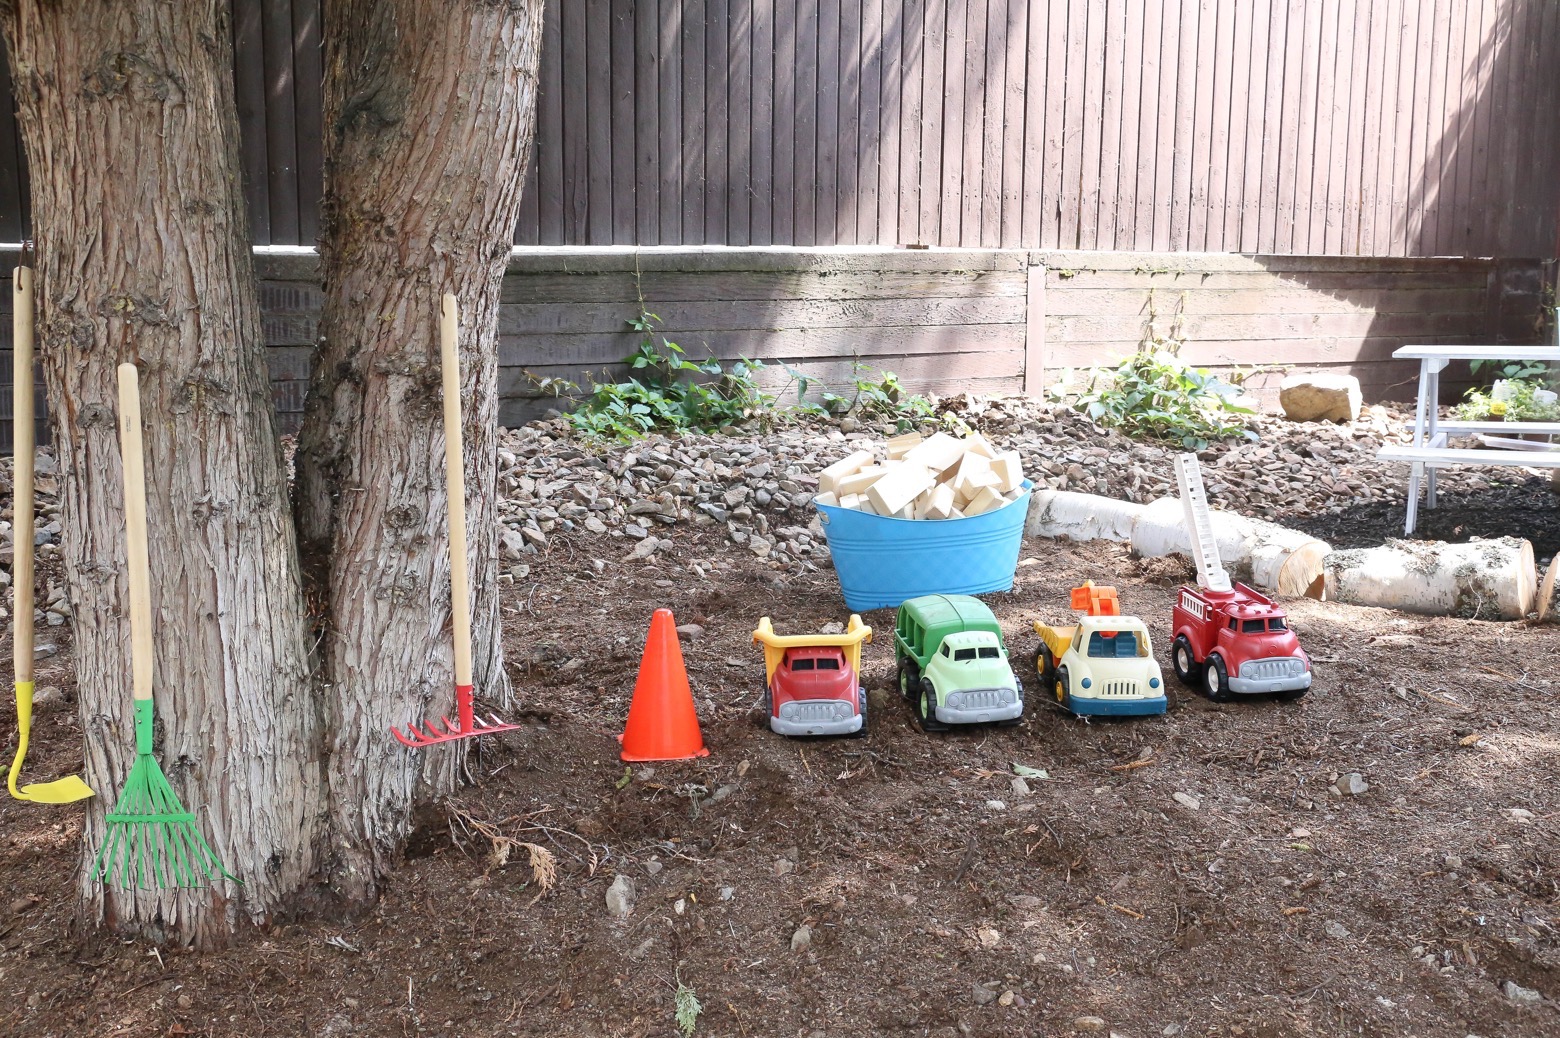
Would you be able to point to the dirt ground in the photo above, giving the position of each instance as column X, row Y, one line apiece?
column 938, row 900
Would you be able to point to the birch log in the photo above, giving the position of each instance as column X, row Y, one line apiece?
column 1548, row 608
column 1063, row 515
column 1483, row 580
column 1258, row 552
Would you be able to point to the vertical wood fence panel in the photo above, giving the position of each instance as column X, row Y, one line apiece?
column 1322, row 127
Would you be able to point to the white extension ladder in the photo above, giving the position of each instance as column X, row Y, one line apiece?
column 1199, row 527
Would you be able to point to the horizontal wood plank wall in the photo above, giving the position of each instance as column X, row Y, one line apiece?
column 1303, row 127
column 944, row 320
column 958, row 320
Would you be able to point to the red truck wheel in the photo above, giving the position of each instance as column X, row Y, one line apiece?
column 1216, row 679
column 1184, row 662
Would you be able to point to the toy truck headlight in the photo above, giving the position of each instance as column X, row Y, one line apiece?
column 1153, row 682
column 1085, row 682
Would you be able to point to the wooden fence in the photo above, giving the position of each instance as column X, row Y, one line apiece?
column 1321, row 127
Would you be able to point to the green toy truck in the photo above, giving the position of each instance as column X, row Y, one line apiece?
column 953, row 666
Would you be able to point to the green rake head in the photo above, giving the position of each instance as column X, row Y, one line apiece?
column 152, row 840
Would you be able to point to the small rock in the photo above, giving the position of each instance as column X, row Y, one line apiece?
column 680, row 906
column 595, row 525
column 802, row 938
column 644, row 549
column 690, row 631
column 1337, row 930
column 988, row 937
column 1089, row 1023
column 983, row 995
column 1008, row 998
column 1517, row 993
column 1352, row 784
column 1020, row 787
column 22, row 904
column 43, row 650
column 1453, row 861
column 728, row 893
column 47, row 698
column 184, row 1001
column 784, row 867
column 636, row 531
column 1520, row 814
column 996, row 805
column 620, row 897
column 723, row 792
column 1186, row 800
column 653, row 867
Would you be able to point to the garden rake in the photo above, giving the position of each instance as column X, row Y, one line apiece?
column 467, row 724
column 70, row 788
column 150, row 834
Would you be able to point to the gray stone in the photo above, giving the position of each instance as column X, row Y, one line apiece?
column 982, row 995
column 636, row 531
column 620, row 897
column 802, row 938
column 1186, row 800
column 1312, row 396
column 1337, row 930
column 1517, row 993
column 1088, row 1023
column 690, row 631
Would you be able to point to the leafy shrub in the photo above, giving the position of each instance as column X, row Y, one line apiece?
column 665, row 390
column 1480, row 404
column 1155, row 395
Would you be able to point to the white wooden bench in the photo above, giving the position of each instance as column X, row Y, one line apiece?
column 1430, row 451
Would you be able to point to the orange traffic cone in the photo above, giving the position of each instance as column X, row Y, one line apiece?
column 661, row 722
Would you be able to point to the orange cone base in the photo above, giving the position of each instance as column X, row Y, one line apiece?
column 662, row 724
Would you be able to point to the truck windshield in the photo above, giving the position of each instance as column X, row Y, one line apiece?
column 961, row 655
column 828, row 664
column 801, row 664
column 1252, row 627
column 990, row 654
column 1277, row 624
column 1121, row 645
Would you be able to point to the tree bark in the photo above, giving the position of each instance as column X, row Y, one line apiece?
column 128, row 118
column 429, row 109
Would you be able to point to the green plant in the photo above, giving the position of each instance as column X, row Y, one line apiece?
column 1155, row 395
column 882, row 398
column 688, row 1008
column 1519, row 405
column 1510, row 369
column 665, row 390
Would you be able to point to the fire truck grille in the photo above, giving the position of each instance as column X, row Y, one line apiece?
column 1119, row 688
column 1272, row 669
column 814, row 710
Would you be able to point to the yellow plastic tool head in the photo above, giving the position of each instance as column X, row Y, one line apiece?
column 67, row 790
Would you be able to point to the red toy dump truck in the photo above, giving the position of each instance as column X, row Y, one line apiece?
column 1229, row 639
column 813, row 681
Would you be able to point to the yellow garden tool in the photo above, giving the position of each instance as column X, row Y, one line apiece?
column 69, row 789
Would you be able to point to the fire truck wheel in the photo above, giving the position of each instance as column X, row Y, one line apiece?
column 1216, row 679
column 1187, row 669
column 927, row 708
column 909, row 679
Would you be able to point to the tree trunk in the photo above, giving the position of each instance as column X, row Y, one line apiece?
column 428, row 112
column 1067, row 515
column 130, row 127
column 1256, row 551
column 1484, row 580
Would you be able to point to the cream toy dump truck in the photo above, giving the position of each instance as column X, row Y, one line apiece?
column 813, row 681
column 1103, row 664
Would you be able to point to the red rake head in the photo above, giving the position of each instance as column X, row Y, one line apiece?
column 467, row 725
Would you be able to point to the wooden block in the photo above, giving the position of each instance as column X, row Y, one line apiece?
column 941, row 504
column 985, row 501
column 922, row 503
column 954, row 513
column 907, row 512
column 851, row 501
column 827, row 498
column 829, row 478
column 972, row 465
column 899, row 487
column 898, row 446
column 1009, row 471
column 967, row 487
column 975, row 443
column 858, row 482
column 937, row 453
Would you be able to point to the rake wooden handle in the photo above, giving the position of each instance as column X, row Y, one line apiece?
column 455, row 483
column 133, row 462
column 23, row 446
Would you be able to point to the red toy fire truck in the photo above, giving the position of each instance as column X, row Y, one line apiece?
column 1229, row 639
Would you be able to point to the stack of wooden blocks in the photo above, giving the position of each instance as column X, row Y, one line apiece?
column 940, row 477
